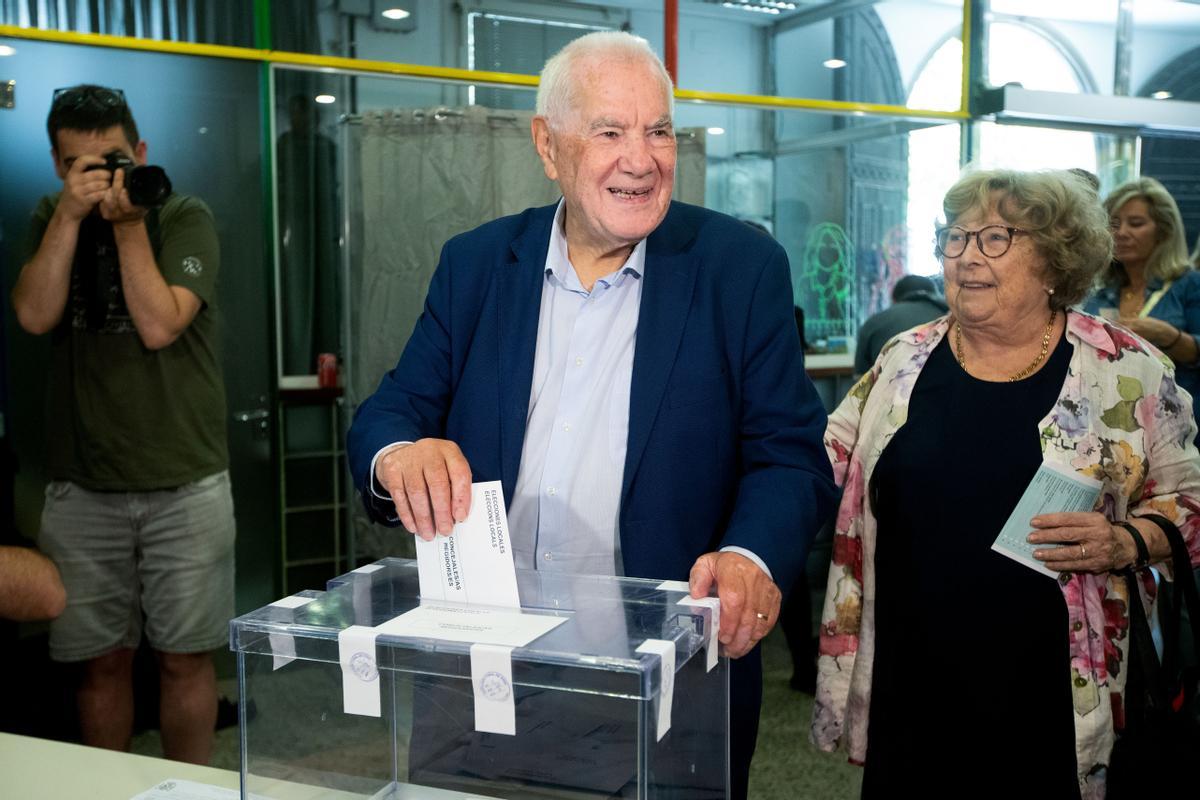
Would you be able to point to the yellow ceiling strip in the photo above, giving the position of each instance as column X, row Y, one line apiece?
column 834, row 106
column 271, row 56
column 448, row 73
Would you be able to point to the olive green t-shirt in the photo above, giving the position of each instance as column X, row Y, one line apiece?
column 122, row 417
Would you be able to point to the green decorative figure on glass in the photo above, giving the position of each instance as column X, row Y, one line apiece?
column 828, row 275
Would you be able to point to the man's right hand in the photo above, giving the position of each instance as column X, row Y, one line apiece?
column 83, row 188
column 430, row 483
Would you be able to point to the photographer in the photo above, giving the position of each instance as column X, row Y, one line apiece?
column 138, row 514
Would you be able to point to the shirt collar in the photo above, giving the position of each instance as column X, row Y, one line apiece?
column 559, row 265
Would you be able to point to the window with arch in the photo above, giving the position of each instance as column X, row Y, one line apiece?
column 1017, row 53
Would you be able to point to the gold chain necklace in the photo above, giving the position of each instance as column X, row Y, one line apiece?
column 962, row 361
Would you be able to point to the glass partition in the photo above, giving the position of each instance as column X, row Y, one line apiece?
column 869, row 52
column 201, row 121
column 1116, row 48
column 1173, row 161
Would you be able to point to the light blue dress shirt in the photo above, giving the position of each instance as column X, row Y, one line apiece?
column 564, row 511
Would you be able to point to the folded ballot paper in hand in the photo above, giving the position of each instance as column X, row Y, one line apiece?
column 474, row 564
column 1054, row 488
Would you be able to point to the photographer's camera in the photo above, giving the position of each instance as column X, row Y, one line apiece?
column 148, row 185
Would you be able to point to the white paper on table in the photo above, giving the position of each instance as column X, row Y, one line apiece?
column 714, row 628
column 360, row 673
column 1054, row 488
column 178, row 789
column 283, row 646
column 674, row 586
column 666, row 693
column 473, row 624
column 491, row 678
column 474, row 564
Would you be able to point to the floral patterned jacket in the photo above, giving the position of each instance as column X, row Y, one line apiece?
column 1120, row 418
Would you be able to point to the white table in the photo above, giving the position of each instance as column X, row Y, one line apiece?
column 49, row 770
column 41, row 769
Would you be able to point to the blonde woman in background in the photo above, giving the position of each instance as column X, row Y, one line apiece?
column 1151, row 287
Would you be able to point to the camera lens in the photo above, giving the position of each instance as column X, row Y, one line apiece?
column 148, row 186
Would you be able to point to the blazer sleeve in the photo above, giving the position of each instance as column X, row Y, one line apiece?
column 412, row 401
column 785, row 490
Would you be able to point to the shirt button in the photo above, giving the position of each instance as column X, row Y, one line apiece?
column 552, row 491
column 548, row 556
column 1077, row 625
column 1064, row 578
column 579, row 361
column 567, row 428
column 1080, row 681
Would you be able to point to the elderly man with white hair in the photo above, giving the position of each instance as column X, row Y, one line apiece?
column 626, row 365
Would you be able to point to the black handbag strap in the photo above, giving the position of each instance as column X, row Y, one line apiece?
column 1149, row 687
column 1184, row 594
column 1145, row 688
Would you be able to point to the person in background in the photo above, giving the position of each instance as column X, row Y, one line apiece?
column 1151, row 287
column 915, row 299
column 943, row 663
column 138, row 514
column 1088, row 177
column 30, row 587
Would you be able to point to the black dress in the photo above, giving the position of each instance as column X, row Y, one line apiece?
column 971, row 690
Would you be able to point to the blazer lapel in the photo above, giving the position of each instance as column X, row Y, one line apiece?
column 670, row 279
column 519, row 287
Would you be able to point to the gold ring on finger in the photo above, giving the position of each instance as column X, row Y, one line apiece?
column 1082, row 551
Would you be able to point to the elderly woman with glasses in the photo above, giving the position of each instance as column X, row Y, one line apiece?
column 945, row 667
column 1150, row 287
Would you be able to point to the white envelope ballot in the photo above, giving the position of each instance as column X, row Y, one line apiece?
column 474, row 564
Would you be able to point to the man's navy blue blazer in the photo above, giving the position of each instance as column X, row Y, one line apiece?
column 725, row 428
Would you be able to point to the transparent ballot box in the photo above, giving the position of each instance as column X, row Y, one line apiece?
column 345, row 695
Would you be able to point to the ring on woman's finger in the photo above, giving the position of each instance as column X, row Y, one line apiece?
column 1082, row 551
column 761, row 616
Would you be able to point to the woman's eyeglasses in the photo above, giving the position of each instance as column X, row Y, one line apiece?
column 993, row 240
column 75, row 97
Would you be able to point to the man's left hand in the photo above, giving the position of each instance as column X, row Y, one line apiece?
column 749, row 599
column 116, row 207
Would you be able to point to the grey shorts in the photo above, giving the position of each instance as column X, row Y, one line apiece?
column 165, row 554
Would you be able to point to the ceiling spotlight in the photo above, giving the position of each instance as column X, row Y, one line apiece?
column 1162, row 94
column 716, row 131
column 325, row 99
column 752, row 7
column 5, row 50
column 833, row 63
column 396, row 13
